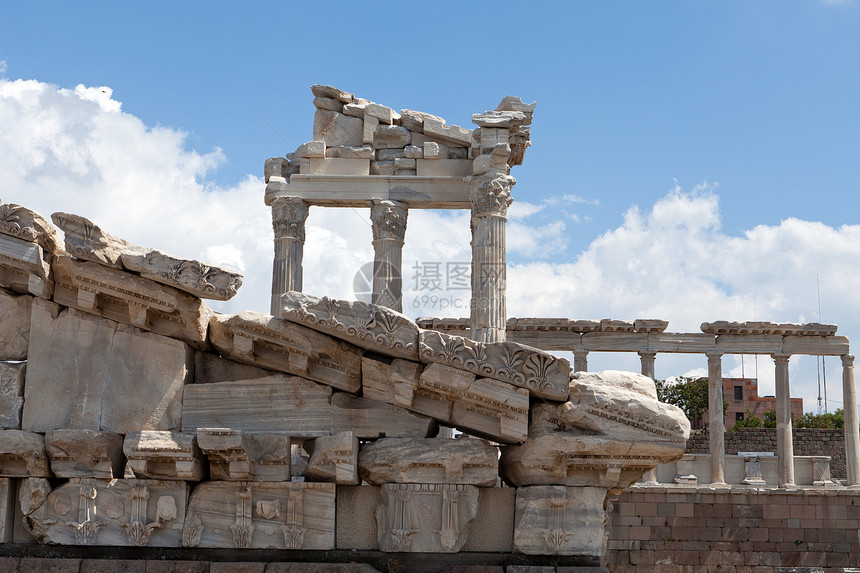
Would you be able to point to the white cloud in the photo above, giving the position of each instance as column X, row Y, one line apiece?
column 77, row 151
column 2, row 66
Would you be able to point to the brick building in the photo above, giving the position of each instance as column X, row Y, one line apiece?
column 741, row 394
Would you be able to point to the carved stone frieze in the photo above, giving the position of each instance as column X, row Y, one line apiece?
column 282, row 405
column 374, row 419
column 333, row 458
column 425, row 518
column 261, row 515
column 285, row 346
column 541, row 373
column 121, row 512
column 368, row 326
column 85, row 454
column 558, row 520
column 87, row 241
column 163, row 455
column 131, row 299
column 430, row 460
column 25, row 268
column 22, row 454
column 193, row 277
column 22, row 223
column 242, row 456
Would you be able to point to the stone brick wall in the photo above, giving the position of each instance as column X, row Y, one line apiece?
column 807, row 442
column 673, row 530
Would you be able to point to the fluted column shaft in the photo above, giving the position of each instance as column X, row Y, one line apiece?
column 716, row 423
column 490, row 196
column 288, row 220
column 852, row 430
column 389, row 229
column 784, row 444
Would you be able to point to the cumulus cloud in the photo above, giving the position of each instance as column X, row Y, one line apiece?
column 77, row 151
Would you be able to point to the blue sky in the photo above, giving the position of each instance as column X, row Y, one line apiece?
column 673, row 143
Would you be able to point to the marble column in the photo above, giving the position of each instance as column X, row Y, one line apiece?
column 852, row 430
column 647, row 364
column 389, row 229
column 288, row 220
column 580, row 360
column 490, row 195
column 784, row 444
column 716, row 422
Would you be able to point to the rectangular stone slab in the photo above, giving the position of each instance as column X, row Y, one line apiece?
column 276, row 344
column 123, row 512
column 542, row 374
column 374, row 419
column 25, row 268
column 261, row 515
column 282, row 405
column 163, row 455
column 7, row 509
column 368, row 326
column 15, row 326
column 85, row 454
column 86, row 372
column 333, row 458
column 130, row 299
column 559, row 520
column 241, row 456
column 11, row 394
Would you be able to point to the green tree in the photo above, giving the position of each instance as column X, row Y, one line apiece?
column 689, row 394
column 770, row 419
column 750, row 421
column 834, row 420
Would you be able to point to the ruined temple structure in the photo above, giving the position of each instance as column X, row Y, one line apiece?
column 134, row 416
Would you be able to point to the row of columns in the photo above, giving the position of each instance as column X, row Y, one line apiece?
column 784, row 443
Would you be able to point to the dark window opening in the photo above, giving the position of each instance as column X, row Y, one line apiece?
column 739, row 392
column 739, row 416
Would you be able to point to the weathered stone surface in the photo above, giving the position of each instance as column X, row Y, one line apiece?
column 499, row 119
column 514, row 103
column 451, row 134
column 414, row 120
column 311, row 149
column 269, row 342
column 356, row 108
column 283, row 405
column 413, row 152
column 430, row 460
column 122, row 512
column 392, row 381
column 281, row 567
column 261, row 515
column 193, row 277
column 558, row 520
column 87, row 241
column 7, row 509
column 22, row 454
column 368, row 129
column 32, row 493
column 353, row 152
column 130, row 299
column 328, row 103
column 241, row 456
column 25, row 224
column 391, row 137
column 85, row 454
column 86, row 372
column 337, row 166
column 333, row 458
column 385, row 167
column 365, row 325
column 541, row 373
column 15, row 326
column 429, row 518
column 374, row 419
column 210, row 368
column 437, row 167
column 337, row 129
column 11, row 394
column 332, row 92
column 384, row 114
column 25, row 268
column 163, row 455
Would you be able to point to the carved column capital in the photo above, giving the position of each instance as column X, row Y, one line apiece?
column 389, row 220
column 847, row 360
column 490, row 194
column 645, row 355
column 780, row 359
column 288, row 218
column 714, row 357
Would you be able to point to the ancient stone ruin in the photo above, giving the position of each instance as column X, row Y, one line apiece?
column 134, row 415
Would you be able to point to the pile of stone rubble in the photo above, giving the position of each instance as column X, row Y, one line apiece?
column 132, row 414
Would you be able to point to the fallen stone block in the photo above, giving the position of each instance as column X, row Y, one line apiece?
column 430, row 167
column 87, row 241
column 558, row 520
column 15, row 326
column 22, row 454
column 453, row 134
column 468, row 461
column 25, row 224
column 195, row 278
column 338, row 166
column 542, row 374
column 127, row 298
column 282, row 405
column 25, row 268
column 163, row 455
column 241, row 456
column 368, row 326
column 374, row 419
column 269, row 342
column 337, row 129
column 121, row 512
column 332, row 92
column 414, row 120
column 384, row 114
column 86, row 372
column 11, row 394
column 425, row 518
column 261, row 515
column 85, row 454
column 333, row 458
column 391, row 137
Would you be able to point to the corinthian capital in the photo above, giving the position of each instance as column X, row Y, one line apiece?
column 288, row 218
column 389, row 219
column 490, row 194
